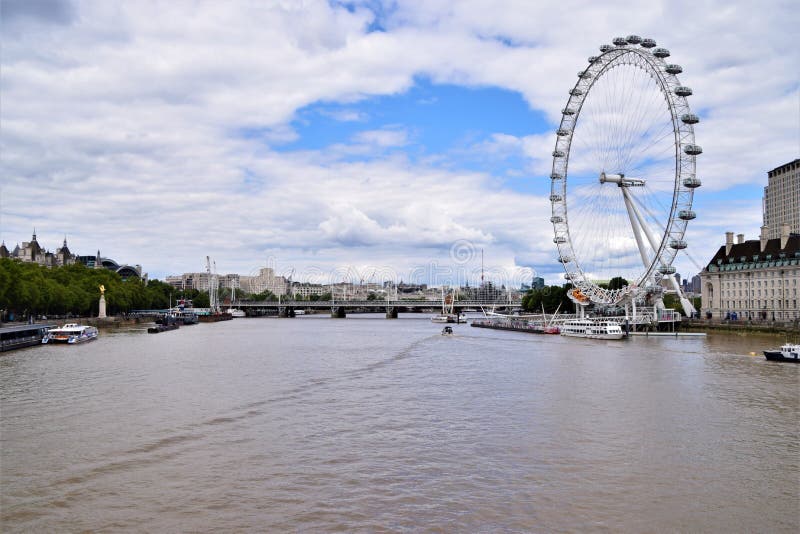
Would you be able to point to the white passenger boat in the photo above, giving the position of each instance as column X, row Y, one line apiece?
column 71, row 333
column 591, row 328
column 236, row 312
column 449, row 314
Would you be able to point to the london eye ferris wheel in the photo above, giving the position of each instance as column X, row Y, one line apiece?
column 623, row 174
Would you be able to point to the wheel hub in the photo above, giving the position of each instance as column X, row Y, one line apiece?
column 621, row 180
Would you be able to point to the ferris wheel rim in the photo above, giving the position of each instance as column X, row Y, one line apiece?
column 652, row 60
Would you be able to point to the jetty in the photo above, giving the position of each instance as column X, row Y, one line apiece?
column 19, row 336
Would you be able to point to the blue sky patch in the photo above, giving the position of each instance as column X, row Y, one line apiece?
column 441, row 117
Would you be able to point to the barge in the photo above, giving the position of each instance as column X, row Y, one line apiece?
column 19, row 336
column 515, row 325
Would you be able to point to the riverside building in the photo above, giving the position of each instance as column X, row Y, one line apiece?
column 755, row 280
column 782, row 199
column 759, row 279
column 265, row 280
column 32, row 252
column 202, row 281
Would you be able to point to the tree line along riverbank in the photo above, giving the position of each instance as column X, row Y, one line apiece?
column 29, row 289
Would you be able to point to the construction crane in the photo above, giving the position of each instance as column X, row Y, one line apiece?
column 212, row 285
column 289, row 282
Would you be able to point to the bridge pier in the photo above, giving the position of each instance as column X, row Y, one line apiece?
column 391, row 312
column 338, row 312
column 287, row 312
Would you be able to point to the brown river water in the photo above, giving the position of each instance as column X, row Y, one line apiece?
column 365, row 424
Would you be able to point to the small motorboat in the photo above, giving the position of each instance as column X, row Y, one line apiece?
column 789, row 352
column 447, row 331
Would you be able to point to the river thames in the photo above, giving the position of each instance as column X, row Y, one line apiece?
column 368, row 424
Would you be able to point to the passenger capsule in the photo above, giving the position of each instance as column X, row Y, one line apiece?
column 555, row 198
column 563, row 132
column 678, row 244
column 571, row 276
column 564, row 259
column 682, row 90
column 661, row 52
column 556, row 219
column 568, row 111
column 672, row 68
column 556, row 176
column 648, row 43
column 561, row 153
column 692, row 182
column 592, row 59
column 633, row 39
column 687, row 215
column 690, row 118
column 666, row 269
column 619, row 41
column 559, row 240
column 575, row 92
column 605, row 48
column 693, row 150
column 584, row 74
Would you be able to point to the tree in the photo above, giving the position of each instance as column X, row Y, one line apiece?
column 617, row 283
column 202, row 300
column 671, row 300
column 74, row 289
column 264, row 295
column 552, row 298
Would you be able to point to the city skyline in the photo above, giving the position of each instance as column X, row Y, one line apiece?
column 354, row 135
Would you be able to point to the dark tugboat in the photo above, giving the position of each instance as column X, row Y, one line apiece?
column 787, row 353
column 166, row 323
column 157, row 329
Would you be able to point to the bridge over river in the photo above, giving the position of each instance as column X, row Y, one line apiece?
column 340, row 308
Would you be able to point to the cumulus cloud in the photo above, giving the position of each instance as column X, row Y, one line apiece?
column 152, row 130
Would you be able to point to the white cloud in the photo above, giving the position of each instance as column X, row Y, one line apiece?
column 147, row 129
column 345, row 115
column 382, row 138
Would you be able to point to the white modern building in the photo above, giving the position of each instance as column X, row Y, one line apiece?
column 265, row 280
column 782, row 199
column 202, row 281
column 305, row 290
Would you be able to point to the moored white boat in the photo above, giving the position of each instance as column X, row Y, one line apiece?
column 449, row 314
column 71, row 333
column 236, row 312
column 591, row 328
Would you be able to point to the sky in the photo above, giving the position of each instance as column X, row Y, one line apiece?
column 360, row 141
